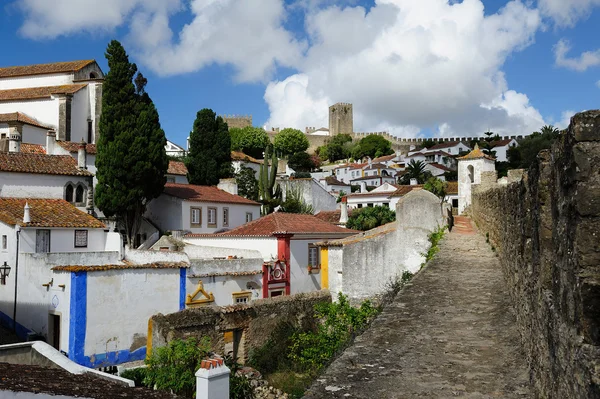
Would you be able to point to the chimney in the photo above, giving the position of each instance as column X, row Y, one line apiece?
column 414, row 182
column 50, row 142
column 363, row 187
column 212, row 379
column 344, row 211
column 369, row 161
column 229, row 185
column 26, row 216
column 14, row 141
column 81, row 155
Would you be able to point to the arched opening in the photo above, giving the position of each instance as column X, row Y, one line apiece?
column 79, row 194
column 93, row 75
column 471, row 173
column 69, row 193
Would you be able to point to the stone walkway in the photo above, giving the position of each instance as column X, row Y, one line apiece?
column 449, row 333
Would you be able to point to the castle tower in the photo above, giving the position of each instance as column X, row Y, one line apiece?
column 239, row 121
column 471, row 167
column 341, row 119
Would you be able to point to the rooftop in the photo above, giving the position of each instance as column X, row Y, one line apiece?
column 155, row 265
column 501, row 143
column 332, row 181
column 33, row 93
column 44, row 69
column 476, row 154
column 73, row 146
column 384, row 158
column 41, row 164
column 452, row 187
column 27, row 148
column 21, row 117
column 45, row 213
column 177, row 168
column 439, row 166
column 190, row 192
column 332, row 216
column 446, row 144
column 403, row 190
column 280, row 222
column 240, row 156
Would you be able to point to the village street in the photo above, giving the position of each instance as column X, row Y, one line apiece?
column 449, row 333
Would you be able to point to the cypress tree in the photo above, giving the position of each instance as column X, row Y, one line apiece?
column 131, row 160
column 209, row 158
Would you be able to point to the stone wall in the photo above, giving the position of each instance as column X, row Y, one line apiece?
column 546, row 228
column 238, row 328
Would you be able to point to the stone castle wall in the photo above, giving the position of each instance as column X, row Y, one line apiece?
column 546, row 229
column 239, row 121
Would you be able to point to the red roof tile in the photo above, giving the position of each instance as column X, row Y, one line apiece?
column 476, row 154
column 332, row 216
column 280, row 222
column 101, row 268
column 403, row 190
column 452, row 187
column 190, row 192
column 32, row 93
column 21, row 117
column 446, row 144
column 73, row 146
column 332, row 181
column 501, row 143
column 27, row 148
column 385, row 158
column 240, row 156
column 45, row 213
column 44, row 69
column 41, row 164
column 440, row 166
column 177, row 168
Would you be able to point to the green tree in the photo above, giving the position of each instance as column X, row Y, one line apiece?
column 436, row 186
column 209, row 158
column 370, row 217
column 294, row 202
column 339, row 147
column 247, row 183
column 415, row 170
column 131, row 161
column 250, row 140
column 526, row 152
column 301, row 162
column 290, row 141
column 371, row 146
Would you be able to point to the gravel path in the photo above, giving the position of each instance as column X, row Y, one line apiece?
column 448, row 334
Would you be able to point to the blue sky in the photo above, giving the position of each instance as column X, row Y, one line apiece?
column 411, row 67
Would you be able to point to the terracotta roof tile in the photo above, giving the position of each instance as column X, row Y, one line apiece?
column 21, row 117
column 27, row 148
column 240, row 156
column 45, row 213
column 41, row 164
column 476, row 154
column 190, row 192
column 501, row 143
column 332, row 216
column 452, row 187
column 32, row 93
column 44, row 69
column 446, row 144
column 280, row 222
column 376, row 166
column 332, row 181
column 439, row 166
column 403, row 190
column 385, row 158
column 73, row 146
column 177, row 168
column 223, row 274
column 101, row 268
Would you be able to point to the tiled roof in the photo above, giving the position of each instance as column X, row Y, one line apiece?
column 280, row 222
column 21, row 117
column 373, row 233
column 41, row 164
column 73, row 146
column 376, row 166
column 43, row 69
column 101, row 268
column 332, row 181
column 332, row 216
column 352, row 166
column 416, row 154
column 403, row 190
column 38, row 380
column 452, row 187
column 240, row 156
column 371, row 194
column 32, row 93
column 438, row 152
column 439, row 166
column 190, row 192
column 476, row 154
column 177, row 168
column 501, row 143
column 45, row 213
column 385, row 158
column 222, row 274
column 445, row 144
column 28, row 148
column 371, row 178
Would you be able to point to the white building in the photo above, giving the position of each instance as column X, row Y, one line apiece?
column 332, row 184
column 174, row 150
column 346, row 173
column 239, row 159
column 470, row 168
column 373, row 181
column 450, row 147
column 200, row 209
column 501, row 148
column 437, row 170
column 177, row 173
column 387, row 195
column 64, row 96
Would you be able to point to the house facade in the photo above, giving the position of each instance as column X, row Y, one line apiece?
column 501, row 148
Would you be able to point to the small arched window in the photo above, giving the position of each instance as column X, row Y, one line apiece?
column 69, row 193
column 93, row 75
column 471, row 173
column 79, row 194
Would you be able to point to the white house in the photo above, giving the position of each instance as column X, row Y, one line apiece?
column 387, row 195
column 501, row 148
column 177, row 172
column 437, row 170
column 378, row 169
column 174, row 150
column 390, row 161
column 332, row 184
column 345, row 173
column 280, row 236
column 450, row 147
column 239, row 159
column 373, row 181
column 470, row 168
column 65, row 96
column 200, row 209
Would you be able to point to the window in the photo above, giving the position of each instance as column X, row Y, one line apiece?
column 69, row 193
column 386, row 204
column 79, row 194
column 81, row 238
column 471, row 173
column 196, row 217
column 89, row 131
column 241, row 297
column 212, row 217
column 360, row 205
column 455, row 203
column 42, row 241
column 275, row 293
column 248, row 217
column 225, row 217
column 170, row 179
column 4, row 242
column 313, row 256
column 370, row 205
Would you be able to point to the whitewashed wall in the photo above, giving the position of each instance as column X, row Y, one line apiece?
column 28, row 185
column 301, row 280
column 267, row 246
column 36, row 81
column 63, row 240
column 34, row 135
column 376, row 200
column 166, row 212
column 179, row 179
column 223, row 287
column 237, row 215
column 80, row 113
column 43, row 110
column 464, row 182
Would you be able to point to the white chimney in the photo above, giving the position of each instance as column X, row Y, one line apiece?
column 212, row 379
column 50, row 142
column 363, row 187
column 14, row 141
column 26, row 216
column 369, row 161
column 344, row 211
column 82, row 155
column 414, row 182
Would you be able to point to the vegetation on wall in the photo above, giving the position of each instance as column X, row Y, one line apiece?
column 294, row 202
column 436, row 186
column 434, row 239
column 131, row 160
column 250, row 140
column 368, row 218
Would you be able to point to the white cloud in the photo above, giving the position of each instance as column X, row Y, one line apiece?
column 565, row 119
column 414, row 64
column 586, row 60
column 566, row 13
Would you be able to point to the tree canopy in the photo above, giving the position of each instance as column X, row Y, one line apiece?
column 415, row 170
column 250, row 140
column 372, row 146
column 209, row 157
column 247, row 183
column 436, row 186
column 290, row 141
column 131, row 161
column 339, row 147
column 526, row 152
column 301, row 162
column 370, row 217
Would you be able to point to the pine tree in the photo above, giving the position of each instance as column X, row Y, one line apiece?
column 131, row 161
column 209, row 158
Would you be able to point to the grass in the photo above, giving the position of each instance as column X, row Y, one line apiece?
column 434, row 239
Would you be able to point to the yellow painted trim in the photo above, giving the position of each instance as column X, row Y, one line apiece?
column 324, row 267
column 149, row 339
column 208, row 297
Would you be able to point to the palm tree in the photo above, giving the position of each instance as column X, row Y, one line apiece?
column 549, row 130
column 415, row 170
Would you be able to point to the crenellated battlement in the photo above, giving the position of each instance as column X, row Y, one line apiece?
column 238, row 121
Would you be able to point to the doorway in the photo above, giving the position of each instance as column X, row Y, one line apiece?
column 54, row 330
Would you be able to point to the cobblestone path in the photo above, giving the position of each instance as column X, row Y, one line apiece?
column 449, row 333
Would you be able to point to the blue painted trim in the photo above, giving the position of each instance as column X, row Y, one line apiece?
column 113, row 358
column 8, row 322
column 182, row 281
column 77, row 317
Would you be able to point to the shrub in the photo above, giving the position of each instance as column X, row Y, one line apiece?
column 370, row 217
column 137, row 375
column 239, row 385
column 272, row 356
